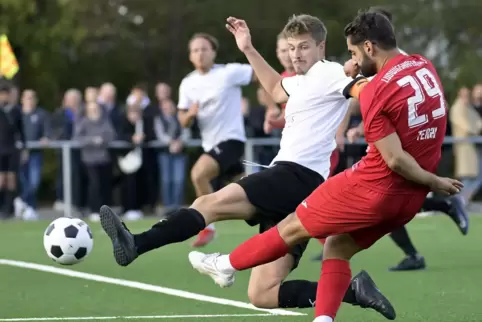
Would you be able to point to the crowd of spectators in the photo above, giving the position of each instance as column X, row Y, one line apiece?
column 97, row 117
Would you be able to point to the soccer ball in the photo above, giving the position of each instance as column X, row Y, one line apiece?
column 68, row 241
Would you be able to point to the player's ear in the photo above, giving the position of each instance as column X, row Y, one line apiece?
column 368, row 47
column 321, row 47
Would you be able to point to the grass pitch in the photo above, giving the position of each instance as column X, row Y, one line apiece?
column 448, row 291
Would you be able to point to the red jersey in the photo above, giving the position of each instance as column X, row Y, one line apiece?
column 284, row 75
column 405, row 97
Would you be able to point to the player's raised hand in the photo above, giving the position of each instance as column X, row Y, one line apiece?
column 241, row 33
column 446, row 186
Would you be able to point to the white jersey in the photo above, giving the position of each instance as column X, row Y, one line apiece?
column 218, row 93
column 315, row 108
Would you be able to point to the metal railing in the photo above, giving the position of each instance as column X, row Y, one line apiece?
column 67, row 146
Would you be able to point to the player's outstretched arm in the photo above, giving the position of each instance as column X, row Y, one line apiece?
column 266, row 75
column 399, row 161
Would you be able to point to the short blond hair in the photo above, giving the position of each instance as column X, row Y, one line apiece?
column 305, row 24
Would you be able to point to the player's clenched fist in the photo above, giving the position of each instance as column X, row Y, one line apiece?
column 241, row 33
column 446, row 186
column 351, row 68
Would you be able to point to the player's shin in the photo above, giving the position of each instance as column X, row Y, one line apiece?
column 401, row 238
column 260, row 249
column 180, row 226
column 335, row 279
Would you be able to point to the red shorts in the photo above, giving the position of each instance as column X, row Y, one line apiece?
column 342, row 206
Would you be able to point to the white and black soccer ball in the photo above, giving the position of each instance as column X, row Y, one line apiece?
column 68, row 241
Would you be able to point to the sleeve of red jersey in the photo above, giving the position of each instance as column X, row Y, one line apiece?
column 376, row 123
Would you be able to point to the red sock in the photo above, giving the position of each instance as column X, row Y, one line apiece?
column 334, row 281
column 260, row 249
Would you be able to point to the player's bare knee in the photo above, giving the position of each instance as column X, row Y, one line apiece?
column 262, row 297
column 340, row 247
column 198, row 176
column 292, row 230
column 206, row 205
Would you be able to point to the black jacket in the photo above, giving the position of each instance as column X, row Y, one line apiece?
column 11, row 128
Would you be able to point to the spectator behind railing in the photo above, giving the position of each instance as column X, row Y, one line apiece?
column 91, row 94
column 11, row 129
column 36, row 127
column 62, row 128
column 466, row 122
column 14, row 96
column 107, row 99
column 95, row 132
column 136, row 129
column 149, row 188
column 171, row 160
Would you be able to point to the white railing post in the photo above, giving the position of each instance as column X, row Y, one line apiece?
column 249, row 156
column 67, row 178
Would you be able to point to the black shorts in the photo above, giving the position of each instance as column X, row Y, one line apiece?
column 228, row 155
column 276, row 192
column 9, row 162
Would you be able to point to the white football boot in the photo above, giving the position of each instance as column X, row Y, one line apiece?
column 207, row 264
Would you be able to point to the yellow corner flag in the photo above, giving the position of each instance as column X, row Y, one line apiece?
column 8, row 62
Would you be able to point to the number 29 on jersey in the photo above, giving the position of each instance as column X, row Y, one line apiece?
column 422, row 87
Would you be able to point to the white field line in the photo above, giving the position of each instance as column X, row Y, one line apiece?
column 143, row 286
column 133, row 317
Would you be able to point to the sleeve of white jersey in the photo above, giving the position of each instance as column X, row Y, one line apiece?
column 183, row 103
column 338, row 81
column 290, row 84
column 239, row 74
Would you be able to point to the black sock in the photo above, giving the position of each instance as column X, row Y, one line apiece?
column 436, row 204
column 302, row 294
column 181, row 225
column 401, row 238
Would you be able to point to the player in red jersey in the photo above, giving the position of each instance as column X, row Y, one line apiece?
column 452, row 206
column 404, row 114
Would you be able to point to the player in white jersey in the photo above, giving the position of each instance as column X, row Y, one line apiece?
column 453, row 206
column 316, row 104
column 211, row 94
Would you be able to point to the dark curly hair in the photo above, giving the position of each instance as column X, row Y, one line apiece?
column 374, row 27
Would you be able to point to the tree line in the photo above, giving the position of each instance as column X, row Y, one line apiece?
column 69, row 43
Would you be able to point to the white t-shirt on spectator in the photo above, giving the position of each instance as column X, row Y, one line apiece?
column 315, row 108
column 218, row 93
